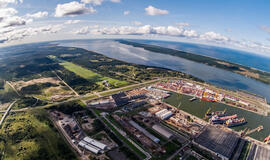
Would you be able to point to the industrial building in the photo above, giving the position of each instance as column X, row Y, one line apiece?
column 104, row 104
column 161, row 130
column 218, row 142
column 120, row 99
column 262, row 153
column 145, row 132
column 89, row 147
column 92, row 145
column 95, row 143
column 164, row 114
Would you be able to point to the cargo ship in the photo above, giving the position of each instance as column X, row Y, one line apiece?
column 228, row 117
column 235, row 122
column 216, row 120
column 210, row 99
column 267, row 140
column 209, row 114
column 221, row 113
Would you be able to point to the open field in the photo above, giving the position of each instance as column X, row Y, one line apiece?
column 31, row 135
column 90, row 75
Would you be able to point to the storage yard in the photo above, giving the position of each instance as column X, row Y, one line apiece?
column 204, row 92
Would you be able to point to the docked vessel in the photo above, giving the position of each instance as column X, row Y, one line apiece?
column 209, row 114
column 216, row 120
column 228, row 117
column 192, row 99
column 235, row 122
column 208, row 99
column 221, row 113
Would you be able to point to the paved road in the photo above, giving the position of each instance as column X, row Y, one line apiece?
column 66, row 84
column 148, row 156
column 180, row 149
column 13, row 88
column 6, row 113
column 86, row 95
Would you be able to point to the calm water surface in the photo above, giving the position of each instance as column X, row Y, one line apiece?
column 199, row 108
column 219, row 77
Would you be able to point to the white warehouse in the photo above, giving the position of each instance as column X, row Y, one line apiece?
column 89, row 147
column 164, row 114
column 95, row 143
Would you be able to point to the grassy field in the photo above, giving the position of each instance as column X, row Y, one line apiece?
column 31, row 135
column 106, row 93
column 90, row 75
column 83, row 72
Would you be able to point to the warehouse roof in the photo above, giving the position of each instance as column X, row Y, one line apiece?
column 218, row 141
column 162, row 131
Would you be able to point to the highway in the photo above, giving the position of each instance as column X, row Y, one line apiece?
column 89, row 95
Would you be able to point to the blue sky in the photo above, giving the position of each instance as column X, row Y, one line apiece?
column 241, row 24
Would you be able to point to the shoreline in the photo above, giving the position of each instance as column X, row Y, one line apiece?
column 250, row 69
column 199, row 83
column 220, row 126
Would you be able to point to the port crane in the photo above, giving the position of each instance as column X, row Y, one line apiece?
column 246, row 131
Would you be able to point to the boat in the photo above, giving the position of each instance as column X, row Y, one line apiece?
column 216, row 120
column 228, row 117
column 267, row 140
column 208, row 113
column 208, row 99
column 221, row 113
column 235, row 122
column 192, row 99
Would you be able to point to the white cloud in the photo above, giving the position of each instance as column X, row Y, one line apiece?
column 136, row 23
column 37, row 15
column 140, row 30
column 94, row 2
column 116, row 1
column 85, row 30
column 126, row 13
column 175, row 31
column 152, row 11
column 72, row 21
column 19, row 34
column 7, row 12
column 8, row 17
column 73, row 8
column 212, row 36
column 265, row 28
column 14, row 21
column 4, row 3
column 182, row 24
